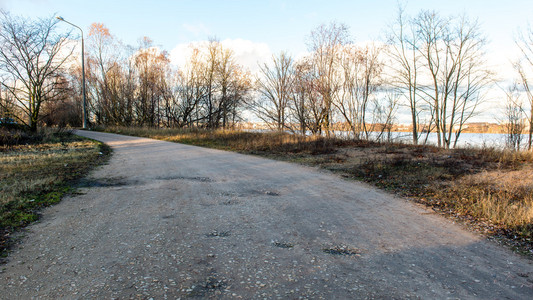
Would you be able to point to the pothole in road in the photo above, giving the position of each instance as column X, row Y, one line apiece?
column 284, row 245
column 342, row 250
column 229, row 202
column 262, row 192
column 203, row 288
column 189, row 178
column 271, row 193
column 216, row 233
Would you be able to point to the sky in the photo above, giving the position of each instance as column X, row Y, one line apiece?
column 279, row 25
column 256, row 29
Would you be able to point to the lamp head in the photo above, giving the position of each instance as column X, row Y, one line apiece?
column 60, row 18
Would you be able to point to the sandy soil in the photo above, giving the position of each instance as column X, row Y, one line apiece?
column 164, row 221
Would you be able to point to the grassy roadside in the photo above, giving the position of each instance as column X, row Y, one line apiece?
column 489, row 190
column 36, row 170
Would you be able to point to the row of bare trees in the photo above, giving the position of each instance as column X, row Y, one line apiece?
column 334, row 87
column 41, row 80
column 431, row 66
column 138, row 86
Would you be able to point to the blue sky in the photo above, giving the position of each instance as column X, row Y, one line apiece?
column 282, row 25
column 257, row 29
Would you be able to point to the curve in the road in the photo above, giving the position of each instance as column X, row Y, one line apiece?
column 165, row 220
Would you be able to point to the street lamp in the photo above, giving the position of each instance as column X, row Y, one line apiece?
column 82, row 73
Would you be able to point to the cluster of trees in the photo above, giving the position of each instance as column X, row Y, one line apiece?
column 137, row 86
column 438, row 64
column 432, row 65
column 334, row 87
column 333, row 82
column 125, row 85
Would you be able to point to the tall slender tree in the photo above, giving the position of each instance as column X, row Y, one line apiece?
column 524, row 68
column 275, row 86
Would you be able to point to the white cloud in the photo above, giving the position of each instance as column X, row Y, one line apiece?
column 180, row 53
column 247, row 53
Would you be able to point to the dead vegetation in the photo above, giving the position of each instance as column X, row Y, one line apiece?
column 490, row 190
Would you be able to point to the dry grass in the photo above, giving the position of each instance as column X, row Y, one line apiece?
column 490, row 190
column 503, row 197
column 242, row 141
column 36, row 170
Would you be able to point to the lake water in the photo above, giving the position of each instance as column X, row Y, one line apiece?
column 466, row 140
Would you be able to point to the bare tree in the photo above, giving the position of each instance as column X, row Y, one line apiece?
column 8, row 105
column 385, row 115
column 403, row 50
column 190, row 88
column 455, row 72
column 65, row 110
column 514, row 118
column 226, row 70
column 31, row 60
column 307, row 104
column 152, row 67
column 105, row 76
column 239, row 93
column 214, row 48
column 370, row 81
column 275, row 86
column 358, row 80
column 325, row 43
column 524, row 68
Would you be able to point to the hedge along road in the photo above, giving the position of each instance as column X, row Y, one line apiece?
column 165, row 220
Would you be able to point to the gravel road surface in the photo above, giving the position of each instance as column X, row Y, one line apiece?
column 169, row 221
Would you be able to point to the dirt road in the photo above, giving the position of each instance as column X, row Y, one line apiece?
column 165, row 221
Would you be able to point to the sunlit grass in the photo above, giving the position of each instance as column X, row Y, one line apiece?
column 503, row 197
column 242, row 141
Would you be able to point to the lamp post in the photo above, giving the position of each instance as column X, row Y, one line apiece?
column 82, row 73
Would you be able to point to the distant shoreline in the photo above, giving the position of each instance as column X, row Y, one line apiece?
column 474, row 127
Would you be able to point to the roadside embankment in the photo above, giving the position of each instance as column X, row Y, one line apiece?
column 36, row 170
